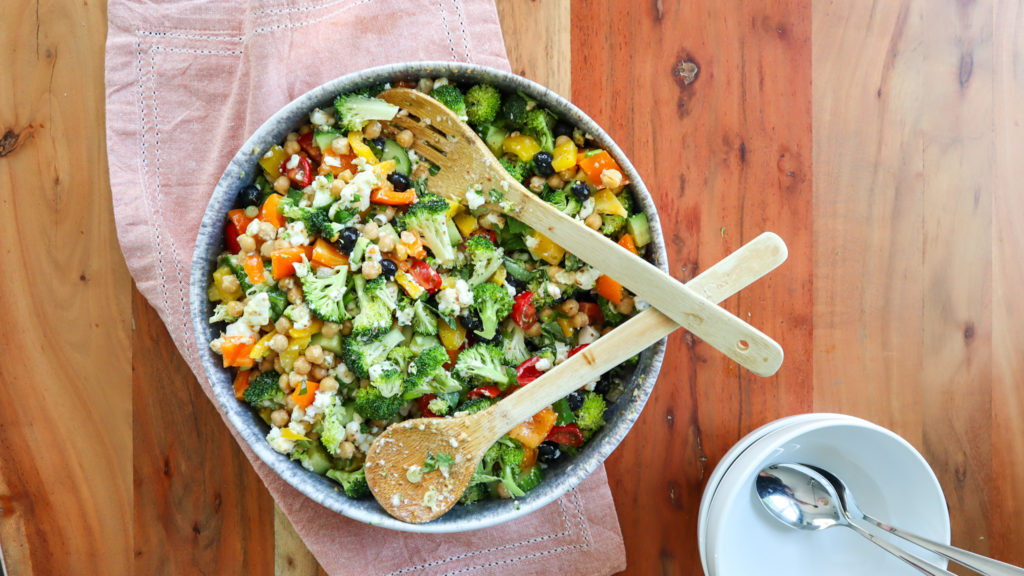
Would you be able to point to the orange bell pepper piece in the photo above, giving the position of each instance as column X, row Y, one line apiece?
column 269, row 213
column 283, row 261
column 388, row 196
column 609, row 289
column 532, row 432
column 235, row 350
column 241, row 383
column 414, row 247
column 253, row 265
column 336, row 163
column 326, row 255
column 597, row 163
column 241, row 221
column 529, row 458
column 627, row 242
column 303, row 400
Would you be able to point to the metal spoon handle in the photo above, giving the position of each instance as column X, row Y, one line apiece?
column 976, row 562
column 924, row 566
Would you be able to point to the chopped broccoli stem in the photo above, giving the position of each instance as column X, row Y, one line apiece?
column 484, row 257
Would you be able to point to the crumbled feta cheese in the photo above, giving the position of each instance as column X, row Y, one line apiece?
column 553, row 290
column 561, row 352
column 564, row 276
column 320, row 403
column 360, row 187
column 440, row 82
column 586, row 277
column 510, row 289
column 278, row 442
column 239, row 329
column 588, row 334
column 321, row 192
column 320, row 119
column 640, row 304
column 590, row 386
column 332, row 161
column 465, row 294
column 531, row 242
column 474, row 199
column 453, row 300
column 372, row 253
column 376, row 370
column 587, row 209
column 404, row 316
column 396, row 499
column 299, row 315
column 257, row 310
column 543, row 365
column 293, row 162
column 297, row 235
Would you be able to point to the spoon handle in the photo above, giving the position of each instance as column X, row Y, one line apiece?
column 921, row 564
column 735, row 272
column 976, row 562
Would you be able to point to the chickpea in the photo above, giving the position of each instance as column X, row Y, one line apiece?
column 302, row 366
column 386, row 243
column 229, row 284
column 570, row 307
column 278, row 367
column 371, row 269
column 267, row 364
column 346, row 328
column 554, row 271
column 626, row 305
column 533, row 331
column 421, row 171
column 268, row 248
column 291, row 137
column 580, row 319
column 425, row 85
column 295, row 379
column 267, row 230
column 606, row 330
column 286, row 283
column 305, row 129
column 279, row 418
column 328, row 384
column 292, row 147
column 289, row 403
column 235, row 308
column 405, row 139
column 329, row 360
column 314, row 353
column 282, row 185
column 401, row 253
column 278, row 343
column 330, row 329
column 283, row 325
column 537, row 183
column 340, row 146
column 336, row 188
column 503, row 492
column 372, row 130
column 546, row 314
column 364, row 383
column 246, row 243
column 284, row 383
column 371, row 230
column 593, row 221
column 318, row 373
column 611, row 178
column 568, row 174
column 555, row 182
column 345, row 450
column 346, row 176
column 295, row 296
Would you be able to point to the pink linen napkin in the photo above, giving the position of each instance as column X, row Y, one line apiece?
column 187, row 82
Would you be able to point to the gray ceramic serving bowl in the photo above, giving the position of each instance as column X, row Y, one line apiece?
column 558, row 479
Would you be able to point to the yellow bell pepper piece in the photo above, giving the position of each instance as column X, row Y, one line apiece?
column 384, row 168
column 291, row 353
column 606, row 203
column 565, row 156
column 218, row 275
column 546, row 250
column 262, row 347
column 566, row 325
column 355, row 142
column 499, row 276
column 213, row 294
column 466, row 223
column 287, row 433
column 523, row 146
column 315, row 324
column 447, row 282
column 412, row 289
column 451, row 338
column 271, row 162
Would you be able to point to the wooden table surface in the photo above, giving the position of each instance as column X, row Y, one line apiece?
column 882, row 140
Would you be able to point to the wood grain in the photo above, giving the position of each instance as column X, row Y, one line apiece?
column 65, row 401
column 726, row 156
column 537, row 40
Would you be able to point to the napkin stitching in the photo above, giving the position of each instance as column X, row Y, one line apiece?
column 293, row 8
column 197, row 34
column 565, row 520
column 300, row 24
column 447, row 31
column 462, row 27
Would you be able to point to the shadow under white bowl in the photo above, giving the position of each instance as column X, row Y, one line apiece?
column 890, row 478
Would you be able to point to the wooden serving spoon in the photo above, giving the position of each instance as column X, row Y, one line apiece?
column 405, row 446
column 465, row 162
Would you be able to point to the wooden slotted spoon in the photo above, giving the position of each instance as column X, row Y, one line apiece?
column 466, row 438
column 465, row 162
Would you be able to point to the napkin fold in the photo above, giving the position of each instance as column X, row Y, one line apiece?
column 187, row 82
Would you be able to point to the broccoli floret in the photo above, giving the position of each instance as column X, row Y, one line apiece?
column 359, row 356
column 573, row 262
column 325, row 295
column 516, row 167
column 562, row 200
column 336, row 416
column 475, row 493
column 387, row 378
column 356, row 110
column 451, row 96
column 439, row 406
column 611, row 315
column 590, row 416
column 513, row 344
column 316, row 220
column 428, row 218
column 482, row 104
column 474, row 405
column 428, row 376
column 626, row 199
column 484, row 363
column 538, row 124
column 423, row 320
column 508, row 456
column 311, row 455
column 611, row 224
column 353, row 483
column 493, row 304
column 402, row 356
column 514, row 109
column 485, row 258
column 371, row 404
column 376, row 304
column 264, row 392
column 220, row 314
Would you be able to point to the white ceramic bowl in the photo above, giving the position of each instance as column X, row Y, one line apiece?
column 888, row 476
column 730, row 457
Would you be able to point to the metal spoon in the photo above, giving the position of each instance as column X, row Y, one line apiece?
column 802, row 498
column 976, row 562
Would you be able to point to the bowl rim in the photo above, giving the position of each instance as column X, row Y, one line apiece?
column 316, row 487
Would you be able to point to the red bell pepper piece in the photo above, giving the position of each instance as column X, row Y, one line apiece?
column 568, row 435
column 423, row 402
column 301, row 175
column 527, row 371
column 484, row 392
column 575, row 350
column 306, row 142
column 231, row 234
column 593, row 312
column 426, row 276
column 524, row 313
column 484, row 232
